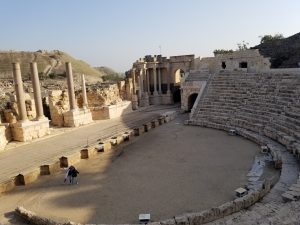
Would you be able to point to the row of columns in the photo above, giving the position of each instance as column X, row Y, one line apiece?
column 144, row 81
column 37, row 91
column 20, row 92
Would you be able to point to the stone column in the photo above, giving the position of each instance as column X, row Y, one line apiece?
column 155, row 81
column 84, row 97
column 134, row 98
column 169, row 80
column 140, row 86
column 19, row 92
column 133, row 81
column 37, row 91
column 148, row 80
column 159, row 81
column 141, row 82
column 70, row 86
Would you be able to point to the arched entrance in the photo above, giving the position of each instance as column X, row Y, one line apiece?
column 191, row 101
column 178, row 75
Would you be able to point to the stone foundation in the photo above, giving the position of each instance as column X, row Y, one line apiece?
column 77, row 118
column 167, row 99
column 5, row 135
column 112, row 111
column 29, row 130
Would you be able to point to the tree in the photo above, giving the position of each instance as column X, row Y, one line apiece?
column 242, row 46
column 270, row 38
column 222, row 51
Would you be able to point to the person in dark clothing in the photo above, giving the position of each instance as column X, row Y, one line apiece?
column 74, row 174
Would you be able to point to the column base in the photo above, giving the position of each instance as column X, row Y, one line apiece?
column 77, row 117
column 155, row 99
column 167, row 99
column 28, row 130
column 145, row 100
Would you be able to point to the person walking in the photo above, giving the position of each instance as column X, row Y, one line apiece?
column 74, row 174
column 68, row 174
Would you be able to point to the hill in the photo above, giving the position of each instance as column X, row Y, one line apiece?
column 283, row 53
column 51, row 64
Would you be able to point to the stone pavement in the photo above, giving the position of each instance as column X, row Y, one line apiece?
column 20, row 157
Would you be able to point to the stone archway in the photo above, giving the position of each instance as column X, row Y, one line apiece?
column 179, row 73
column 191, row 100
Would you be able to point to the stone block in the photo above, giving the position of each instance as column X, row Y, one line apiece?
column 50, row 168
column 195, row 218
column 126, row 136
column 84, row 153
column 227, row 208
column 147, row 126
column 68, row 160
column 139, row 130
column 28, row 130
column 78, row 117
column 168, row 222
column 27, row 177
column 181, row 220
column 238, row 204
column 161, row 120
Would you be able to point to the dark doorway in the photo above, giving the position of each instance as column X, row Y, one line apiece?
column 223, row 65
column 243, row 65
column 176, row 95
column 191, row 101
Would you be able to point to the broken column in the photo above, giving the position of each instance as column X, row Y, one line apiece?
column 84, row 97
column 75, row 117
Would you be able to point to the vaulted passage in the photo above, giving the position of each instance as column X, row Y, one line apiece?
column 191, row 101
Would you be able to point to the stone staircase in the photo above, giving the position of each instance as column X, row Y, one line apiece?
column 197, row 76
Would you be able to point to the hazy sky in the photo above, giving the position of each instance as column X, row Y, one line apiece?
column 115, row 33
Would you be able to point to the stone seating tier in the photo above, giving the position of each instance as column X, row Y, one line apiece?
column 268, row 104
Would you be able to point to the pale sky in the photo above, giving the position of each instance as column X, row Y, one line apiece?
column 115, row 33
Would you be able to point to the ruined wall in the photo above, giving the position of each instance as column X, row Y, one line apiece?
column 255, row 62
column 5, row 135
column 58, row 104
column 100, row 95
column 9, row 108
column 189, row 88
column 111, row 111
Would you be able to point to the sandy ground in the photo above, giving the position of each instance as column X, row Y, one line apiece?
column 168, row 171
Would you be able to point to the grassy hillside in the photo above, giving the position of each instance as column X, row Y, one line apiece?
column 51, row 64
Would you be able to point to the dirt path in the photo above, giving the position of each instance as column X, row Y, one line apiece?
column 171, row 170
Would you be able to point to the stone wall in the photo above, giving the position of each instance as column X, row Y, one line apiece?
column 5, row 135
column 58, row 104
column 77, row 117
column 189, row 88
column 26, row 131
column 105, row 94
column 111, row 111
column 255, row 61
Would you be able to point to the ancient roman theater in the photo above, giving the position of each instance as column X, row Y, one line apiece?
column 181, row 140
